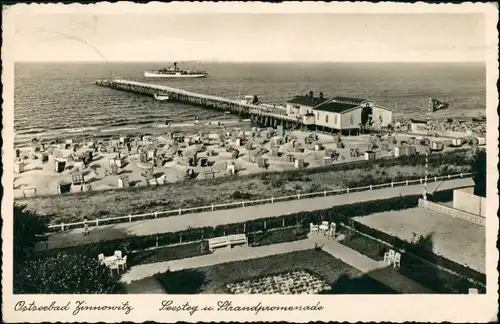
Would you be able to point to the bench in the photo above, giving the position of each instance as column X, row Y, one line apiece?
column 237, row 239
column 217, row 242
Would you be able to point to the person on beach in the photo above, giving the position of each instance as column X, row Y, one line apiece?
column 85, row 227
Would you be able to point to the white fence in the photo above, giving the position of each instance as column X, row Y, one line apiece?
column 455, row 213
column 180, row 211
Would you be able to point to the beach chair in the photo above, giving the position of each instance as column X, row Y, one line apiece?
column 100, row 258
column 313, row 228
column 389, row 256
column 397, row 260
column 122, row 263
column 118, row 254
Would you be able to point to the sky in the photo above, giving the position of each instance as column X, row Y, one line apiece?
column 422, row 37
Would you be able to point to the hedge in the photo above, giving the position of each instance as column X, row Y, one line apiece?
column 335, row 214
column 64, row 273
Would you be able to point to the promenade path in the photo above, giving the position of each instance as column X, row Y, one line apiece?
column 219, row 217
column 139, row 279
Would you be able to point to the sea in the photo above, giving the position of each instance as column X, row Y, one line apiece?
column 53, row 98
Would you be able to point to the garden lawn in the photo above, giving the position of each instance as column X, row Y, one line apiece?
column 212, row 280
column 120, row 202
column 198, row 248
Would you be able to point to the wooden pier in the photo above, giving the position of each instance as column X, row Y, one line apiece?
column 257, row 114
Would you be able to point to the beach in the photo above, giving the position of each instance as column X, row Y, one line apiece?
column 217, row 152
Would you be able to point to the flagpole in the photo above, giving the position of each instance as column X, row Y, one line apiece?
column 427, row 150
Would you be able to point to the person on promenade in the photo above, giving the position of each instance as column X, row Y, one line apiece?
column 85, row 227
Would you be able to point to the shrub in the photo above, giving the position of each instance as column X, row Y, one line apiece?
column 237, row 195
column 28, row 231
column 64, row 273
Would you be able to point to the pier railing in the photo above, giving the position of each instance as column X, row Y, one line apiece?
column 149, row 88
column 298, row 196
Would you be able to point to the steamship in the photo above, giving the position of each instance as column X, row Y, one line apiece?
column 175, row 72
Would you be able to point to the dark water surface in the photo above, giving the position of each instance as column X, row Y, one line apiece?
column 62, row 97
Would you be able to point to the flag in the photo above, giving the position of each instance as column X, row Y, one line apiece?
column 437, row 104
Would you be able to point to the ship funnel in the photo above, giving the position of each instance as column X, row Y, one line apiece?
column 175, row 66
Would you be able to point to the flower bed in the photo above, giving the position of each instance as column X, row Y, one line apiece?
column 293, row 282
column 226, row 278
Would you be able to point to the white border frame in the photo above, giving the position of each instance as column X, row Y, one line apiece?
column 397, row 308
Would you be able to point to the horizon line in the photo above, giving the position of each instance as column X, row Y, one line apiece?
column 243, row 62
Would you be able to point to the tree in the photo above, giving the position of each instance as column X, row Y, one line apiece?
column 64, row 273
column 29, row 229
column 479, row 167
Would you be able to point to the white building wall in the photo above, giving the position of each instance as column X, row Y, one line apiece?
column 295, row 109
column 381, row 117
column 469, row 202
column 333, row 119
column 351, row 119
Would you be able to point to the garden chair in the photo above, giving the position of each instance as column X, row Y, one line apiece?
column 100, row 257
column 389, row 256
column 313, row 228
column 118, row 254
column 397, row 260
column 114, row 266
column 122, row 263
column 332, row 230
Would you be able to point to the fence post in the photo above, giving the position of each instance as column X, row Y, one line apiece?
column 406, row 182
column 325, row 193
column 129, row 217
column 156, row 215
column 435, row 179
column 180, row 211
column 449, row 177
column 212, row 206
column 97, row 222
column 298, row 196
column 420, row 180
column 272, row 200
column 283, row 222
column 392, row 184
column 244, row 227
column 265, row 225
column 371, row 187
column 156, row 240
column 62, row 227
column 242, row 204
column 347, row 190
column 461, row 175
column 180, row 239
